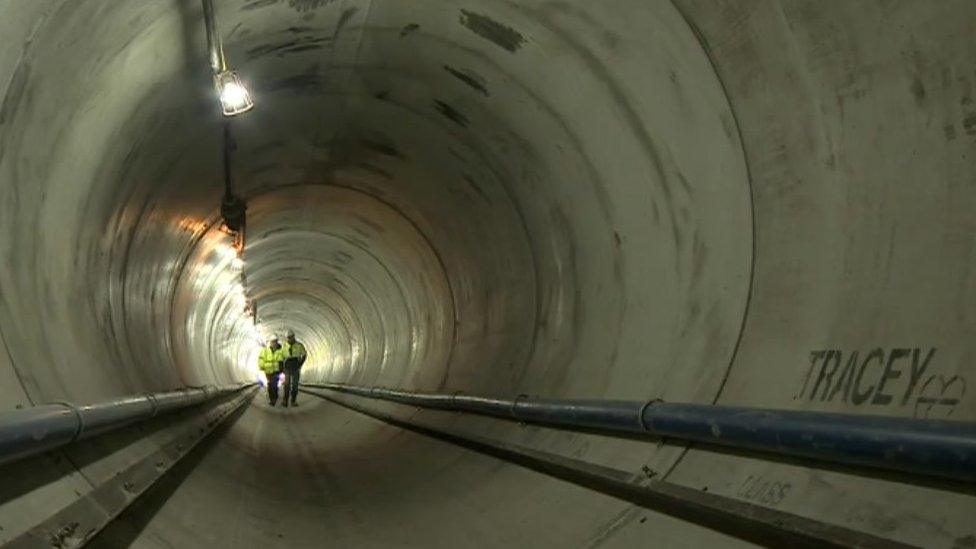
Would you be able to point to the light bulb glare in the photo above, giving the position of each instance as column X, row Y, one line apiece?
column 234, row 98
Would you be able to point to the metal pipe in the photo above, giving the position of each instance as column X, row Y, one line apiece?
column 944, row 449
column 749, row 521
column 42, row 428
column 932, row 448
column 228, row 149
column 214, row 46
column 109, row 495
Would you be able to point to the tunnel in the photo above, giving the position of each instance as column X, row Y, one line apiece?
column 759, row 203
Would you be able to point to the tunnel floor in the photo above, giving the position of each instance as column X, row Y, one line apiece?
column 297, row 479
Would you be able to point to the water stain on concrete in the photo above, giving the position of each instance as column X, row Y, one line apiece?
column 408, row 29
column 258, row 4
column 965, row 542
column 383, row 147
column 344, row 18
column 298, row 82
column 950, row 132
column 15, row 92
column 918, row 91
column 969, row 123
column 501, row 35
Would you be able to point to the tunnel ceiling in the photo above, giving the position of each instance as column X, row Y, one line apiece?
column 426, row 191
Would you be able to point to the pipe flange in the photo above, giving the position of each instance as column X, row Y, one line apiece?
column 152, row 402
column 515, row 403
column 643, row 408
column 78, row 416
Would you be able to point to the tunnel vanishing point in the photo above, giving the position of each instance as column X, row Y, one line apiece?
column 571, row 273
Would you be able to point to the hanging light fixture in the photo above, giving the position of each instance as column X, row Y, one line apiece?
column 234, row 98
column 233, row 94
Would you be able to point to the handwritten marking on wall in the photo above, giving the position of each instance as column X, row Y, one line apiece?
column 879, row 377
column 939, row 396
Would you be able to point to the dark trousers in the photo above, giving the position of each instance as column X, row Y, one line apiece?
column 272, row 387
column 292, row 373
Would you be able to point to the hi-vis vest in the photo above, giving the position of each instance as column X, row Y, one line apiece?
column 293, row 354
column 268, row 359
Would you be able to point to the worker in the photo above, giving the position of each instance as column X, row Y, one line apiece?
column 270, row 360
column 294, row 356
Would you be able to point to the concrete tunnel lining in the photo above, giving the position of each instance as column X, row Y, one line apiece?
column 684, row 200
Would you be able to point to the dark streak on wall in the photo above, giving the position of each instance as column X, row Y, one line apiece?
column 298, row 82
column 382, row 147
column 408, row 29
column 502, row 35
column 290, row 46
column 257, row 4
column 304, row 6
column 470, row 78
column 969, row 123
column 451, row 113
column 343, row 19
column 375, row 170
column 15, row 91
column 477, row 188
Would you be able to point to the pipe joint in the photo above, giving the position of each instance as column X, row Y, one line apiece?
column 643, row 411
column 514, row 407
column 78, row 417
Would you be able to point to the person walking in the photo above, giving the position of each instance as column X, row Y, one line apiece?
column 294, row 356
column 270, row 361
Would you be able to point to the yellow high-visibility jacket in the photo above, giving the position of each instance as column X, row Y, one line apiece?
column 294, row 354
column 269, row 360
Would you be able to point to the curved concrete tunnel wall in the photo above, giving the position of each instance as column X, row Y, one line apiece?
column 754, row 203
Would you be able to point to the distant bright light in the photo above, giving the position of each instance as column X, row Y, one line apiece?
column 234, row 98
column 257, row 337
column 226, row 250
column 237, row 263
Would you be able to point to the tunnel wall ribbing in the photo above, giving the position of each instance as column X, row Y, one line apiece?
column 763, row 204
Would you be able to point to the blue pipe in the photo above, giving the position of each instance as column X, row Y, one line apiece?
column 932, row 448
column 943, row 449
column 31, row 431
